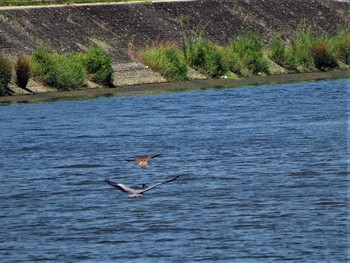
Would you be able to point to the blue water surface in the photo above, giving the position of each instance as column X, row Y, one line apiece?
column 264, row 177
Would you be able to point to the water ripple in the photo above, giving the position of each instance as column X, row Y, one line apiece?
column 263, row 170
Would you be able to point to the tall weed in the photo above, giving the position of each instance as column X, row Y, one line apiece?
column 5, row 74
column 43, row 64
column 323, row 57
column 277, row 51
column 245, row 55
column 204, row 56
column 70, row 72
column 61, row 71
column 167, row 59
column 23, row 71
column 98, row 64
column 301, row 51
column 341, row 46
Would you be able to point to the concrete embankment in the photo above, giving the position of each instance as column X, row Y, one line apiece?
column 123, row 27
column 154, row 88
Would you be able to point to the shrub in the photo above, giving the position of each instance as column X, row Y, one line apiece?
column 98, row 64
column 166, row 59
column 291, row 60
column 277, row 51
column 204, row 56
column 61, row 71
column 341, row 47
column 22, row 68
column 43, row 66
column 245, row 55
column 301, row 50
column 5, row 74
column 70, row 72
column 323, row 58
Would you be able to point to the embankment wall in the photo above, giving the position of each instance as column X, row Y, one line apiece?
column 122, row 27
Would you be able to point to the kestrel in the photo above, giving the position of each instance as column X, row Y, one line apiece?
column 142, row 160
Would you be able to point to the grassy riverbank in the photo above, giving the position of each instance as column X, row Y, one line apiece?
column 154, row 88
column 245, row 56
column 167, row 42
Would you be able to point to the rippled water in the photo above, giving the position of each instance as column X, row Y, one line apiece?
column 264, row 177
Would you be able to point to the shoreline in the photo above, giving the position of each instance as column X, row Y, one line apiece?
column 155, row 88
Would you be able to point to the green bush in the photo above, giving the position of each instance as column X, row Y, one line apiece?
column 5, row 74
column 61, row 71
column 166, row 59
column 277, row 51
column 245, row 55
column 291, row 60
column 98, row 64
column 22, row 68
column 70, row 72
column 301, row 50
column 341, row 47
column 204, row 56
column 43, row 66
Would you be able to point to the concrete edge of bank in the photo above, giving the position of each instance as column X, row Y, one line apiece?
column 154, row 88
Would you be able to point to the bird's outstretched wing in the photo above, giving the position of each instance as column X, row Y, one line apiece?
column 142, row 158
column 157, row 184
column 122, row 187
column 137, row 192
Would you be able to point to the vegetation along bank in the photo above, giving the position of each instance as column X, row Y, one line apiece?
column 92, row 47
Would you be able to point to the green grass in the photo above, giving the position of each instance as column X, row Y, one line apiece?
column 5, row 74
column 70, row 71
column 245, row 55
column 166, row 59
column 64, row 72
column 308, row 52
column 204, row 56
column 305, row 52
column 277, row 51
column 301, row 51
column 98, row 64
column 341, row 46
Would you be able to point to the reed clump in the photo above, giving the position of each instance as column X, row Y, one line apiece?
column 166, row 59
column 98, row 64
column 341, row 46
column 204, row 56
column 245, row 55
column 63, row 72
column 308, row 52
column 5, row 74
column 23, row 71
column 70, row 71
column 323, row 56
column 277, row 51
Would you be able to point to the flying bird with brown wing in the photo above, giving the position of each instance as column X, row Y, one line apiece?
column 142, row 160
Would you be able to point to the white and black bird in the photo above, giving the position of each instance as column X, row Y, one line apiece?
column 137, row 192
column 142, row 160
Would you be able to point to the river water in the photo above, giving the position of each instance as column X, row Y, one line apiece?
column 264, row 177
